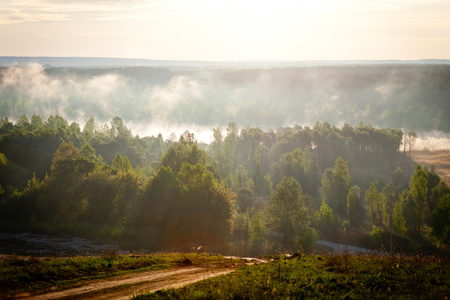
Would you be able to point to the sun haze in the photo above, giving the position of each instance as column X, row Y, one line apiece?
column 229, row 30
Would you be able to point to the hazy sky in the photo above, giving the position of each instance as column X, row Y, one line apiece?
column 227, row 29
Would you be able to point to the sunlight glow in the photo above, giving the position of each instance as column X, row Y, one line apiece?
column 227, row 30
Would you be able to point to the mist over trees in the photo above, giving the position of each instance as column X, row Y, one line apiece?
column 412, row 97
column 72, row 163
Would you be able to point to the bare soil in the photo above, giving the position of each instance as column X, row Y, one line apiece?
column 126, row 286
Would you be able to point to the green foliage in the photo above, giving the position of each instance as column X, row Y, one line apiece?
column 376, row 203
column 244, row 200
column 88, row 152
column 267, row 182
column 257, row 230
column 288, row 215
column 441, row 220
column 354, row 206
column 275, row 173
column 398, row 177
column 95, row 191
column 341, row 184
column 307, row 237
column 418, row 186
column 205, row 207
column 325, row 219
column 335, row 186
column 159, row 198
column 324, row 277
column 398, row 222
column 2, row 165
column 240, row 232
column 241, row 178
column 66, row 151
column 391, row 197
column 122, row 163
column 2, row 160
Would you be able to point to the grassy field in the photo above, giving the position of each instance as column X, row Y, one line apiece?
column 329, row 277
column 23, row 274
column 440, row 159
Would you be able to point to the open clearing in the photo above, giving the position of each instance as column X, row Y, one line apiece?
column 439, row 159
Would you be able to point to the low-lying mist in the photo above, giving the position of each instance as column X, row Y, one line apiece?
column 164, row 100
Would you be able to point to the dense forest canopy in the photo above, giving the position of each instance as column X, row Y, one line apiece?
column 162, row 100
column 248, row 191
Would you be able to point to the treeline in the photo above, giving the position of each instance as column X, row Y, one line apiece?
column 414, row 97
column 249, row 191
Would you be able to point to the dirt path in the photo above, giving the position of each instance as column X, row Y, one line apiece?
column 124, row 287
column 341, row 248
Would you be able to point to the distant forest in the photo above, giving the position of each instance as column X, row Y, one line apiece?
column 249, row 191
column 411, row 97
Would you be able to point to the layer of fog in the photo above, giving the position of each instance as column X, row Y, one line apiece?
column 434, row 140
column 155, row 100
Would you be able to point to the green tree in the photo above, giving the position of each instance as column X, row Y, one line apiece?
column 326, row 188
column 241, row 178
column 122, row 163
column 68, row 174
column 89, row 128
column 2, row 166
column 441, row 220
column 241, row 232
column 174, row 157
column 354, row 207
column 193, row 155
column 205, row 207
column 66, row 151
column 37, row 121
column 267, row 184
column 88, row 152
column 418, row 186
column 398, row 222
column 56, row 122
column 341, row 181
column 98, row 195
column 160, row 198
column 286, row 210
column 258, row 177
column 257, row 229
column 244, row 200
column 276, row 173
column 398, row 177
column 325, row 219
column 375, row 202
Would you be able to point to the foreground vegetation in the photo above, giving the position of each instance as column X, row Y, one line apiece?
column 20, row 274
column 329, row 277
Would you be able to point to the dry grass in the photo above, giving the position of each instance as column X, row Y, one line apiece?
column 440, row 160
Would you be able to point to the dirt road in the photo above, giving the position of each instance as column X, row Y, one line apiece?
column 341, row 248
column 124, row 287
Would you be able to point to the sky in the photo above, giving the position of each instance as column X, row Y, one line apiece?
column 227, row 30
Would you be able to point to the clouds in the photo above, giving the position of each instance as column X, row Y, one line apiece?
column 10, row 16
column 227, row 30
column 14, row 12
